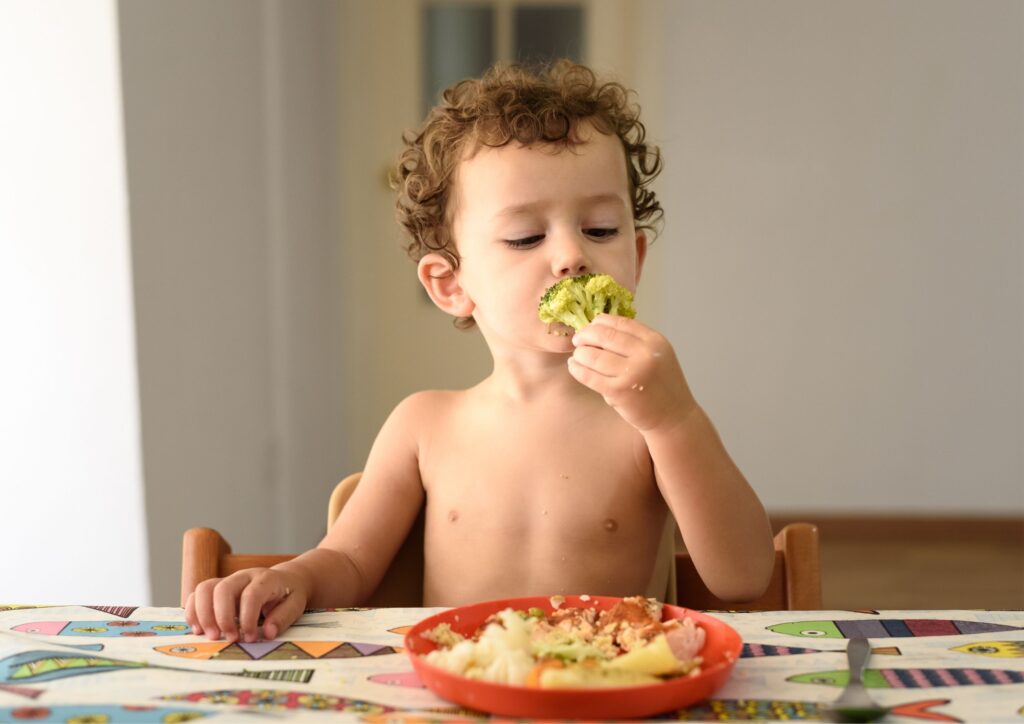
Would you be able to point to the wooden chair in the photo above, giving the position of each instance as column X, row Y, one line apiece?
column 205, row 554
column 795, row 583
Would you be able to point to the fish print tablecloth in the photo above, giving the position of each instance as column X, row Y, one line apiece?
column 92, row 664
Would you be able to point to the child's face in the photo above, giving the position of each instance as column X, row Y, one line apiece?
column 526, row 217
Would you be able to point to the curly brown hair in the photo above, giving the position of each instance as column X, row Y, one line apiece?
column 513, row 103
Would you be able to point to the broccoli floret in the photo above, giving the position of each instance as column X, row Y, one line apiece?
column 575, row 301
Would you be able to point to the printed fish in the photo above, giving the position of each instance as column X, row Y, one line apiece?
column 105, row 629
column 26, row 691
column 913, row 678
column 122, row 611
column 407, row 679
column 106, row 713
column 886, row 628
column 426, row 716
column 275, row 649
column 33, row 666
column 280, row 700
column 773, row 710
column 1002, row 649
column 751, row 651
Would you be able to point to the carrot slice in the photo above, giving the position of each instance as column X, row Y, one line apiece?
column 533, row 678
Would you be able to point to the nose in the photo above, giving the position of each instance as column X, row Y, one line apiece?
column 569, row 256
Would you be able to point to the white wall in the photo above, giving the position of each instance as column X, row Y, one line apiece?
column 231, row 147
column 844, row 230
column 841, row 266
column 71, row 492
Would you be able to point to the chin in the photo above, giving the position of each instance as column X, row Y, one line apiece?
column 562, row 346
column 560, row 330
column 558, row 340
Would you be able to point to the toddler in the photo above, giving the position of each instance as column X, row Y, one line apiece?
column 555, row 473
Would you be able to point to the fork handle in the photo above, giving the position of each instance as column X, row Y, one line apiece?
column 857, row 652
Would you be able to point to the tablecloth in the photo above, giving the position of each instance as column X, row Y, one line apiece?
column 92, row 664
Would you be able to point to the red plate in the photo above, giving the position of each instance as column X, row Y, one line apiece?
column 721, row 649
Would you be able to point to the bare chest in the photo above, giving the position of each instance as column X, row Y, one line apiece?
column 519, row 465
column 534, row 503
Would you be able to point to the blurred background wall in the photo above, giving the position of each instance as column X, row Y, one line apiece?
column 841, row 267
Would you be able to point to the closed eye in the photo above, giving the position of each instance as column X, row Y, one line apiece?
column 601, row 233
column 525, row 242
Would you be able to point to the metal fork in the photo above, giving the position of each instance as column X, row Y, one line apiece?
column 855, row 704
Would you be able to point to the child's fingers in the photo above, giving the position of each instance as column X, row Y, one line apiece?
column 284, row 615
column 599, row 383
column 202, row 599
column 225, row 602
column 602, row 361
column 262, row 593
column 190, row 613
column 611, row 332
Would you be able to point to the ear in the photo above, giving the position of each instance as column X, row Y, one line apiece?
column 438, row 277
column 641, row 253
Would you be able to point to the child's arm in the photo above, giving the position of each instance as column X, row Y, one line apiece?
column 347, row 565
column 724, row 526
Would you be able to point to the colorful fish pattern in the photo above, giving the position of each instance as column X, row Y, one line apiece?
column 774, row 710
column 887, row 628
column 102, row 714
column 105, row 629
column 751, row 651
column 754, row 650
column 275, row 649
column 1000, row 649
column 442, row 715
column 407, row 679
column 26, row 691
column 34, row 666
column 280, row 700
column 913, row 678
column 342, row 674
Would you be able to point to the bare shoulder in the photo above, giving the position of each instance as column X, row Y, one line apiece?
column 425, row 408
column 429, row 404
column 417, row 417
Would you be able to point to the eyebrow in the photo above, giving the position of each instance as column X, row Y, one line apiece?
column 526, row 208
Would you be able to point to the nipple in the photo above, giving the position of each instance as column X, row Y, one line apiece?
column 453, row 515
column 611, row 525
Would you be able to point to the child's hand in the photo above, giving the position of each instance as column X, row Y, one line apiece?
column 635, row 369
column 212, row 608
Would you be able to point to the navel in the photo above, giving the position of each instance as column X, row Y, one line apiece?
column 453, row 515
column 611, row 525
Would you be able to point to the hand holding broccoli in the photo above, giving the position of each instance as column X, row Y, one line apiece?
column 629, row 364
column 636, row 371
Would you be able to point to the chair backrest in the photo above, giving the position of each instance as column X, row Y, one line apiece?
column 795, row 584
column 402, row 584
